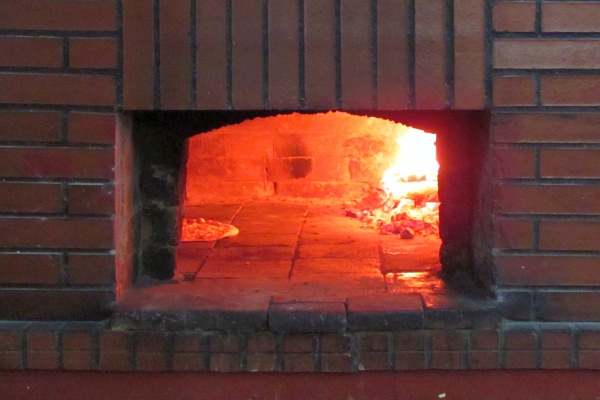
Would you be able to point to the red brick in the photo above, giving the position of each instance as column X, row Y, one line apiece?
column 547, row 53
column 319, row 50
column 32, row 269
column 409, row 340
column 88, row 269
column 96, row 199
column 262, row 362
column 225, row 343
column 150, row 342
column 77, row 340
column 355, row 16
column 114, row 341
column 589, row 340
column 373, row 343
column 38, row 162
column 330, row 169
column 54, row 304
column 519, row 340
column 547, row 270
column 583, row 90
column 92, row 53
column 224, row 362
column 469, row 63
column 589, row 359
column 77, row 360
column 556, row 359
column 430, row 49
column 409, row 360
column 175, row 55
column 91, row 128
column 229, row 169
column 30, row 126
column 211, row 69
column 42, row 359
column 92, row 90
column 392, row 69
column 546, row 199
column 546, row 128
column 556, row 340
column 198, row 192
column 10, row 341
column 324, row 190
column 298, row 344
column 150, row 362
column 569, row 163
column 445, row 360
column 514, row 163
column 570, row 235
column 569, row 306
column 115, row 361
column 334, row 343
column 41, row 340
column 63, row 15
column 56, row 233
column 10, row 360
column 227, row 143
column 373, row 361
column 247, row 54
column 483, row 359
column 514, row 91
column 298, row 363
column 138, row 55
column 570, row 17
column 446, row 340
column 21, row 51
column 514, row 16
column 483, row 340
column 520, row 360
column 283, row 55
column 188, row 342
column 261, row 343
column 336, row 363
column 512, row 234
column 279, row 169
column 188, row 362
column 30, row 197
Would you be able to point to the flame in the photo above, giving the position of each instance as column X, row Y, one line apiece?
column 416, row 167
column 406, row 201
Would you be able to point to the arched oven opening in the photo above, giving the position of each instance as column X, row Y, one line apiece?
column 346, row 199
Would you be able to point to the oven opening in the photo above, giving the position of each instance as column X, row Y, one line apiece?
column 313, row 205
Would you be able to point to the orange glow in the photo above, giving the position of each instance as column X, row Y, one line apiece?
column 407, row 195
column 415, row 168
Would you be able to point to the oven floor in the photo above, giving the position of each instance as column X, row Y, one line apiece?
column 297, row 267
column 289, row 251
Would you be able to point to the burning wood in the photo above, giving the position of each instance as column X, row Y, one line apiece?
column 406, row 201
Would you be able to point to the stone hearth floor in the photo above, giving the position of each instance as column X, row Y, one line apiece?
column 294, row 258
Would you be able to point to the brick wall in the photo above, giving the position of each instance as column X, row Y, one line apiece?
column 58, row 90
column 545, row 139
column 67, row 67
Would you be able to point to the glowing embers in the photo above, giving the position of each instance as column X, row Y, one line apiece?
column 406, row 200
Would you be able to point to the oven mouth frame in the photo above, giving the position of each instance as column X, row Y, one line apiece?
column 159, row 152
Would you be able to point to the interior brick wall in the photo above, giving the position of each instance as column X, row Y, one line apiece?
column 67, row 67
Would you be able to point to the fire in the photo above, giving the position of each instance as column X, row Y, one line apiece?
column 406, row 200
column 416, row 165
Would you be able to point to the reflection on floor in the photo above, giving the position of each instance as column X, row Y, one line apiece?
column 305, row 252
